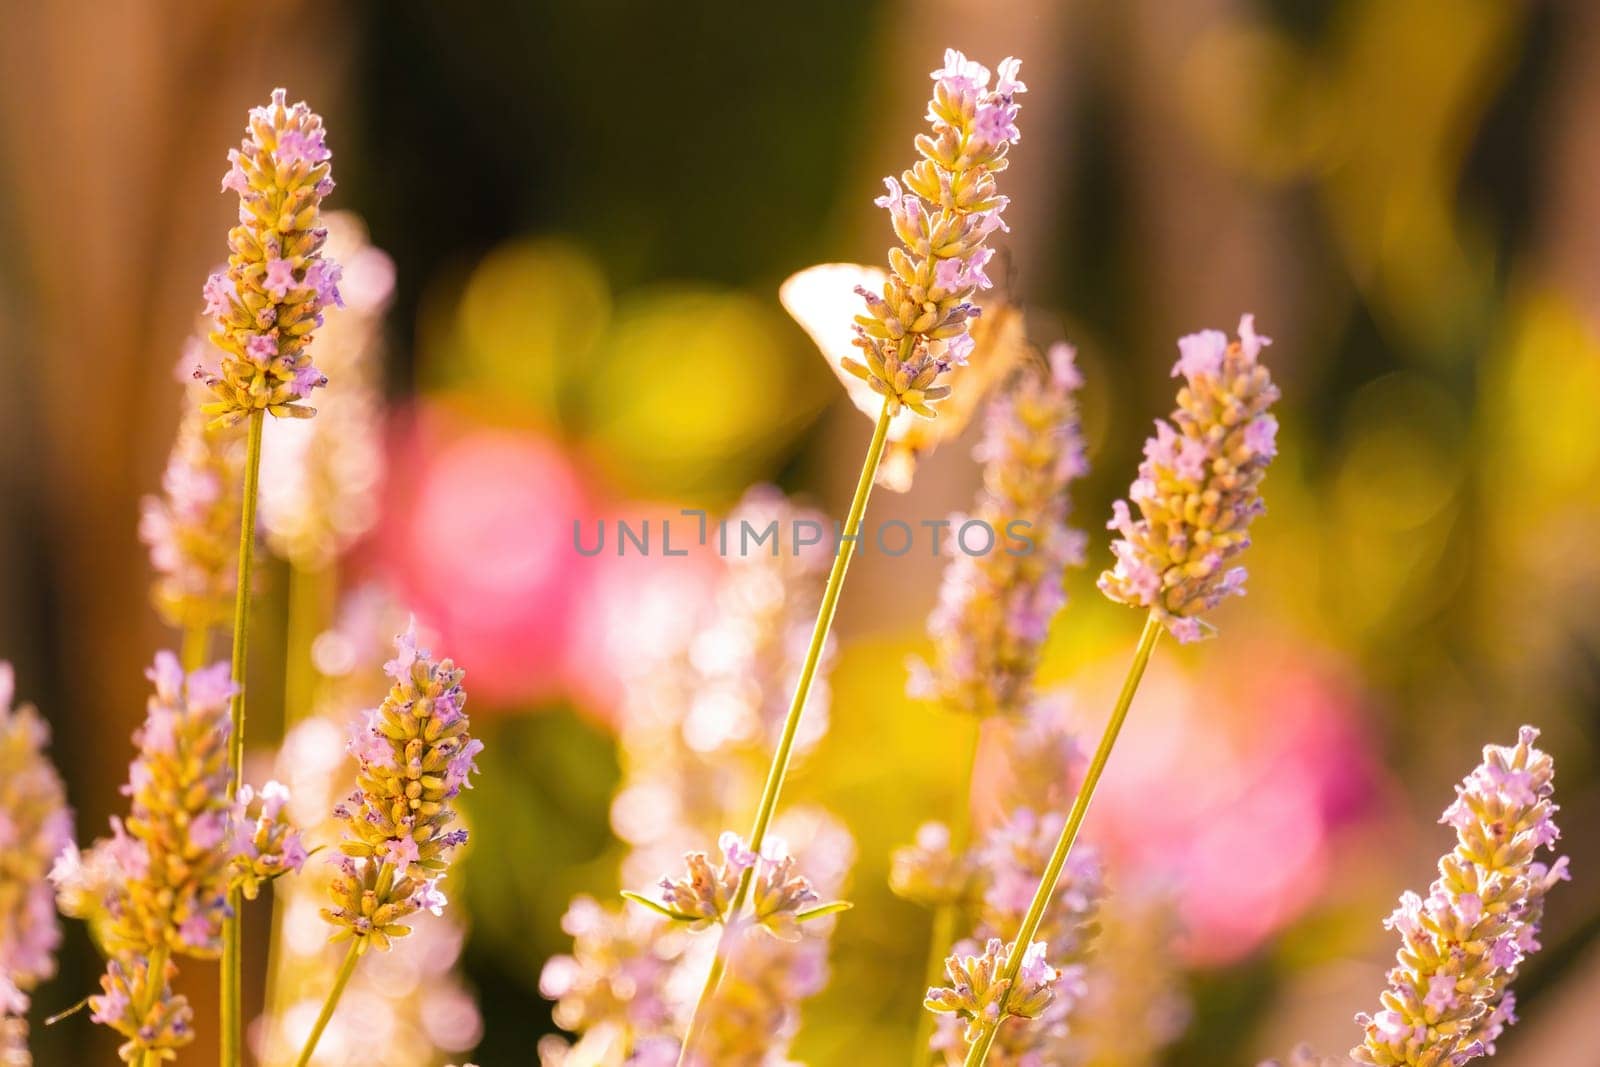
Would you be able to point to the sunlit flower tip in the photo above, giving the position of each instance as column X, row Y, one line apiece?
column 413, row 756
column 1199, row 486
column 918, row 328
column 142, row 1008
column 269, row 301
column 929, row 871
column 192, row 528
column 35, row 827
column 1002, row 588
column 977, row 992
column 1448, row 998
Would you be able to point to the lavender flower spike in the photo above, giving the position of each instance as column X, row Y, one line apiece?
column 1462, row 946
column 918, row 326
column 1199, row 486
column 35, row 825
column 172, row 853
column 270, row 299
column 995, row 607
column 158, row 886
column 414, row 756
column 192, row 528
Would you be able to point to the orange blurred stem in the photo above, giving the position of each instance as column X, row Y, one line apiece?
column 232, row 939
column 340, row 980
column 196, row 646
column 979, row 1052
column 943, row 930
column 791, row 723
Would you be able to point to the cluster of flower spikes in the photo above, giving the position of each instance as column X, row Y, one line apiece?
column 995, row 607
column 414, row 755
column 321, row 478
column 192, row 528
column 994, row 879
column 918, row 327
column 695, row 730
column 35, row 825
column 270, row 299
column 1462, row 945
column 1199, row 486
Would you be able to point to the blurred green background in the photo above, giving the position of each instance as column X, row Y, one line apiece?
column 590, row 208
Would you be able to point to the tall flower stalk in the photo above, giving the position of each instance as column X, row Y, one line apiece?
column 912, row 332
column 1197, row 492
column 414, row 756
column 995, row 609
column 408, row 1007
column 265, row 306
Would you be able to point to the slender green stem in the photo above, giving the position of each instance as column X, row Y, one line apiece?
column 196, row 646
column 942, row 934
column 340, row 980
column 232, row 933
column 791, row 723
column 979, row 1052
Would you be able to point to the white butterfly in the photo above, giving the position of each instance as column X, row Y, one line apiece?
column 823, row 300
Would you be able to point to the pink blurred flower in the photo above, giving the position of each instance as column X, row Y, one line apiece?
column 1266, row 753
column 477, row 536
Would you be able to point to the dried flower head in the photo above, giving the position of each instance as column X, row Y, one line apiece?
column 414, row 756
column 996, row 604
column 1462, row 946
column 917, row 327
column 321, row 478
column 976, row 990
column 270, row 299
column 142, row 1008
column 35, row 825
column 780, row 898
column 1199, row 486
column 192, row 528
